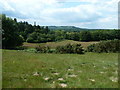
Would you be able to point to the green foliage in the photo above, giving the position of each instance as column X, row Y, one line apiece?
column 31, row 50
column 36, row 37
column 72, row 36
column 105, row 46
column 32, row 37
column 85, row 36
column 78, row 49
column 75, row 48
column 90, row 48
column 68, row 48
column 105, row 35
column 60, row 49
column 43, row 49
column 10, row 36
column 59, row 35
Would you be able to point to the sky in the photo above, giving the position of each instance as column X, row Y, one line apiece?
column 92, row 14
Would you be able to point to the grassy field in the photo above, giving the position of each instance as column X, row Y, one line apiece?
column 34, row 70
column 60, row 43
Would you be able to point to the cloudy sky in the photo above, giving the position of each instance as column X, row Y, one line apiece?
column 81, row 13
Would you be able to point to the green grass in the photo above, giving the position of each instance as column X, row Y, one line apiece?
column 90, row 70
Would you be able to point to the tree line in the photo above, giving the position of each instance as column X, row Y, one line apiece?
column 14, row 33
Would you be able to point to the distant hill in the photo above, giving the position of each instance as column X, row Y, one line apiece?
column 66, row 28
column 72, row 28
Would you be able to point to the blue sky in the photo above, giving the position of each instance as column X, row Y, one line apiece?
column 102, row 14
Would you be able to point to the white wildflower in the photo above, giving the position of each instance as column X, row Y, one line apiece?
column 72, row 75
column 70, row 69
column 105, row 67
column 56, row 73
column 102, row 72
column 114, row 79
column 36, row 74
column 53, row 82
column 47, row 78
column 60, row 79
column 93, row 80
column 63, row 85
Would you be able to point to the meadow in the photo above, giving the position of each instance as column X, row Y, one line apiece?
column 34, row 70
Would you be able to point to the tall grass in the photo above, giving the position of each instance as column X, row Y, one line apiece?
column 34, row 70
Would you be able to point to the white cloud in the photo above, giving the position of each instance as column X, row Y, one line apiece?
column 6, row 5
column 52, row 12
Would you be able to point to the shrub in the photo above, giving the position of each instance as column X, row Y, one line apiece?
column 52, row 51
column 60, row 49
column 43, row 49
column 30, row 40
column 90, row 48
column 105, row 46
column 31, row 50
column 76, row 48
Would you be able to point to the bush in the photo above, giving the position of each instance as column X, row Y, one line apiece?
column 43, row 49
column 76, row 48
column 52, row 51
column 90, row 48
column 60, row 49
column 105, row 46
column 30, row 40
column 31, row 50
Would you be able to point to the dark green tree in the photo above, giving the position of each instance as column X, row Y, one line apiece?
column 85, row 36
column 10, row 35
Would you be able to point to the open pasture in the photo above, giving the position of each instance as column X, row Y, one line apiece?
column 34, row 70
